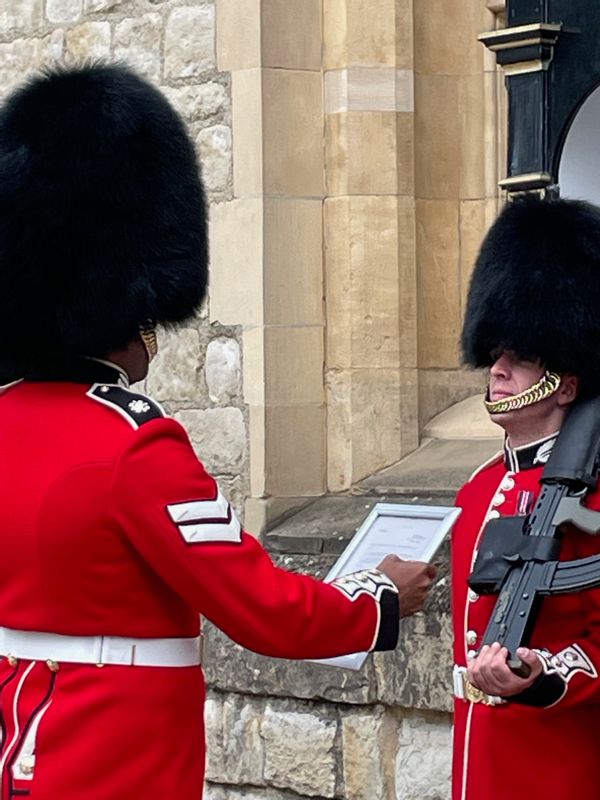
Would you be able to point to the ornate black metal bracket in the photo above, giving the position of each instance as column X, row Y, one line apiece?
column 551, row 61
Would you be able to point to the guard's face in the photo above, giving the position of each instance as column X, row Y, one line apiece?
column 510, row 375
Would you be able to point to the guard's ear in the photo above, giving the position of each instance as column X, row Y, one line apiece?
column 568, row 389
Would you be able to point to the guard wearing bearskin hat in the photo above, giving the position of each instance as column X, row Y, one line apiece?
column 113, row 536
column 533, row 320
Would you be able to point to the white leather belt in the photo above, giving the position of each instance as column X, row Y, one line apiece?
column 465, row 690
column 100, row 650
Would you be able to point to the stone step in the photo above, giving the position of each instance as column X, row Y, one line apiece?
column 429, row 476
column 327, row 524
column 439, row 465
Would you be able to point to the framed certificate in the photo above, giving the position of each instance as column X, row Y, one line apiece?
column 414, row 533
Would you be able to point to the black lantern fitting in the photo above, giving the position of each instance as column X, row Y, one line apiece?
column 551, row 59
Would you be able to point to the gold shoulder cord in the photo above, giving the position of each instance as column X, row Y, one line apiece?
column 545, row 387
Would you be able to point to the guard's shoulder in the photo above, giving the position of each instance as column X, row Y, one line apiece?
column 491, row 462
column 136, row 408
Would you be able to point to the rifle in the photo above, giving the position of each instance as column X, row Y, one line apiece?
column 518, row 556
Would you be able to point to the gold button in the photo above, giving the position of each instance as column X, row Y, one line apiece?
column 493, row 514
column 473, row 596
column 52, row 665
column 498, row 499
column 471, row 638
column 472, row 654
column 507, row 484
column 12, row 661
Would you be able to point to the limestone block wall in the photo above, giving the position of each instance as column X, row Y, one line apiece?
column 460, row 156
column 370, row 248
column 198, row 372
column 413, row 152
column 271, row 749
column 268, row 243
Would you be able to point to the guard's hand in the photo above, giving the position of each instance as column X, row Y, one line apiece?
column 413, row 580
column 490, row 672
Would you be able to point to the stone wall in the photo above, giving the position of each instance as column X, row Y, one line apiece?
column 366, row 151
column 271, row 749
column 198, row 373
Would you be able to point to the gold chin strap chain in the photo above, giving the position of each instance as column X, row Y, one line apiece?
column 148, row 337
column 545, row 387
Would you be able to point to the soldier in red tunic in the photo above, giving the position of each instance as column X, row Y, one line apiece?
column 533, row 317
column 113, row 536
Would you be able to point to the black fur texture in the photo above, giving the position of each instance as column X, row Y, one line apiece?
column 535, row 289
column 102, row 215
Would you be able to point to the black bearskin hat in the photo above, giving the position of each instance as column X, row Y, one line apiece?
column 535, row 289
column 102, row 215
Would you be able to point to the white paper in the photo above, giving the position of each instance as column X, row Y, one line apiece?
column 414, row 533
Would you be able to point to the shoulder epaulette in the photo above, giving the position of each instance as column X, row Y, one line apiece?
column 135, row 408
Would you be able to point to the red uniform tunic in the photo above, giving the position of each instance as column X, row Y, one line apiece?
column 110, row 526
column 515, row 750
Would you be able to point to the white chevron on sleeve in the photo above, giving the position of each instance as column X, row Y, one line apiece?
column 213, row 532
column 197, row 510
column 206, row 520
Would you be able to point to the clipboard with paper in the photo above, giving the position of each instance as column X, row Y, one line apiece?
column 413, row 533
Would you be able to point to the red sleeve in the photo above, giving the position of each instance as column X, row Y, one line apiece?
column 174, row 515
